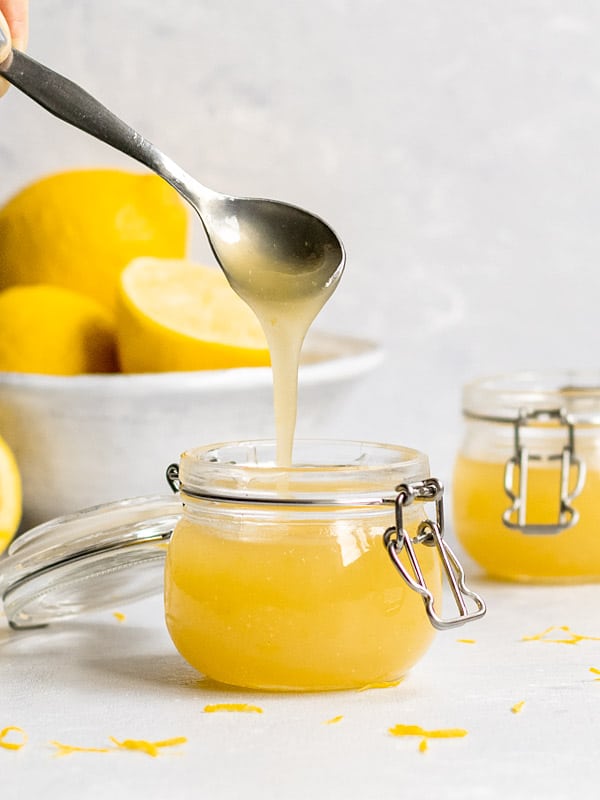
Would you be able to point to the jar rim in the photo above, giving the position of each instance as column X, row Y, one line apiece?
column 504, row 397
column 323, row 470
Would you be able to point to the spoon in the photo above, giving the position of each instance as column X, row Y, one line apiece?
column 264, row 247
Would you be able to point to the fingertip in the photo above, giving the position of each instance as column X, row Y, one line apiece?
column 5, row 40
column 19, row 33
column 5, row 48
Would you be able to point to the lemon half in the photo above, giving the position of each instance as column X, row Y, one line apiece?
column 173, row 314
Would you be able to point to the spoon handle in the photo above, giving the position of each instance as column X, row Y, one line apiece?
column 72, row 104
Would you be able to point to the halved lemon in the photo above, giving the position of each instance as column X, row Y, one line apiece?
column 174, row 314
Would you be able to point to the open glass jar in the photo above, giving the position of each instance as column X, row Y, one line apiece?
column 526, row 487
column 327, row 575
column 282, row 578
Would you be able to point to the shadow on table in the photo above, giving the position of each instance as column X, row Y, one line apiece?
column 107, row 654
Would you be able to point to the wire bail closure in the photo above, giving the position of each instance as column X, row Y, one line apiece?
column 515, row 517
column 431, row 534
column 172, row 476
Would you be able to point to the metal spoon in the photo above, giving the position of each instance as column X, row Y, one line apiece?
column 302, row 255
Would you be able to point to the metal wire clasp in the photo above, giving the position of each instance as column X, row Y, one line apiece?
column 430, row 533
column 172, row 476
column 515, row 517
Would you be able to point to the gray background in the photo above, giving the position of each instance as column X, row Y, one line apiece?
column 453, row 145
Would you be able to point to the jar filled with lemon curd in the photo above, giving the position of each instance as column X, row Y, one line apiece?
column 526, row 486
column 326, row 575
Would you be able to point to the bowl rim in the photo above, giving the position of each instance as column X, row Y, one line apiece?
column 341, row 357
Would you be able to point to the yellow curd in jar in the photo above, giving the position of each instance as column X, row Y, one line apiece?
column 479, row 502
column 296, row 605
column 526, row 485
column 299, row 595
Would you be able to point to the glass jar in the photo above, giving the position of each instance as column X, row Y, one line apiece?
column 526, row 487
column 327, row 575
column 281, row 578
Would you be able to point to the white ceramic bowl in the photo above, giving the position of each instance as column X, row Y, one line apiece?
column 92, row 439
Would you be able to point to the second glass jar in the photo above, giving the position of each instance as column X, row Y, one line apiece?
column 526, row 487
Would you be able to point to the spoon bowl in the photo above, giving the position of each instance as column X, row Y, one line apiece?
column 296, row 254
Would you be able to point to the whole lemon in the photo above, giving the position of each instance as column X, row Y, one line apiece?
column 11, row 498
column 54, row 331
column 178, row 315
column 79, row 228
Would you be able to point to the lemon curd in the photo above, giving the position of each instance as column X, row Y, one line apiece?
column 526, row 484
column 290, row 588
column 479, row 502
column 286, row 301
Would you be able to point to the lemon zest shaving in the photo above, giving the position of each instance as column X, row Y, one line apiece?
column 7, row 745
column 595, row 671
column 150, row 748
column 574, row 638
column 380, row 685
column 518, row 707
column 416, row 730
column 466, row 641
column 119, row 616
column 68, row 749
column 243, row 707
column 333, row 720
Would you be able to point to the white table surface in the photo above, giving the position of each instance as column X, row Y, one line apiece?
column 86, row 680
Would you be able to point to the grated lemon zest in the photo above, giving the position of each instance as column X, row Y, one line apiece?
column 518, row 707
column 416, row 730
column 574, row 638
column 12, row 745
column 595, row 672
column 119, row 616
column 333, row 720
column 140, row 745
column 466, row 641
column 243, row 707
column 150, row 748
column 68, row 749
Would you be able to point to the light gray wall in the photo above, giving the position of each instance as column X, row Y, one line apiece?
column 452, row 143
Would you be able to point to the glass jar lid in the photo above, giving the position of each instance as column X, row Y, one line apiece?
column 94, row 559
column 510, row 396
